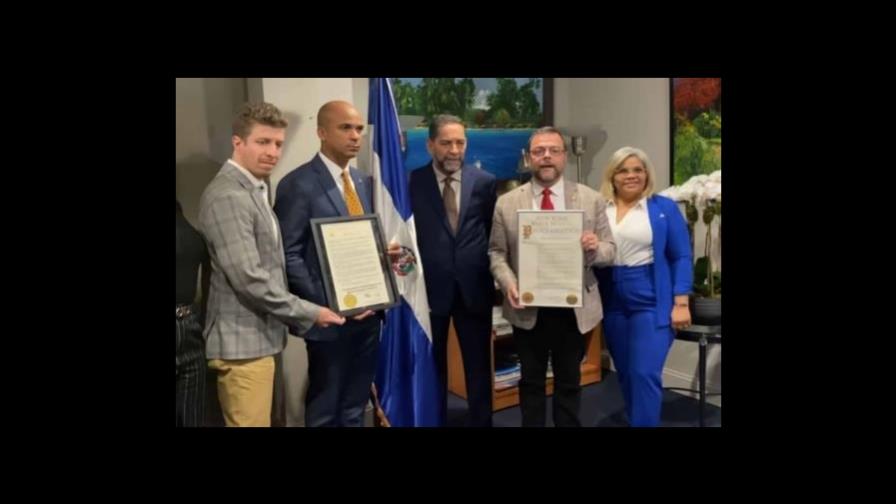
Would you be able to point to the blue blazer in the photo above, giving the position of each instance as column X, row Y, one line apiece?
column 673, row 268
column 306, row 193
column 447, row 257
column 673, row 263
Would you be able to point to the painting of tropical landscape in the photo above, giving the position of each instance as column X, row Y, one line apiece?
column 499, row 115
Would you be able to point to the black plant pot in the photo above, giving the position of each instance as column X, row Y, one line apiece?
column 706, row 311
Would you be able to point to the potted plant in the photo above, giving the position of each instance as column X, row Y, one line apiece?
column 702, row 194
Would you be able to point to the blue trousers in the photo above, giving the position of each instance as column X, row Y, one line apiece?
column 637, row 345
column 340, row 373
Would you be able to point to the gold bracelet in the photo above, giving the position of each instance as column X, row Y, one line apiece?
column 682, row 305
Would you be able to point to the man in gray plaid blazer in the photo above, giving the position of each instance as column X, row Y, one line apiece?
column 249, row 305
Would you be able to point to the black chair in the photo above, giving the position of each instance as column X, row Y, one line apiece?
column 702, row 335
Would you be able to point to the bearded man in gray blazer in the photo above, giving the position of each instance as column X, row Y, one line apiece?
column 558, row 333
column 250, row 306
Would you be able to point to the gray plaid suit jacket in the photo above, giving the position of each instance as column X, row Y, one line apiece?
column 249, row 305
column 503, row 250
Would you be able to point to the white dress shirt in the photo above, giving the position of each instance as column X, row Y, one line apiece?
column 263, row 189
column 634, row 236
column 336, row 172
column 557, row 198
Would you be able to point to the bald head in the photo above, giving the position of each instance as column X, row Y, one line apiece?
column 333, row 109
column 339, row 127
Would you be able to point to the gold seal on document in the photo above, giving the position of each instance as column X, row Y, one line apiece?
column 350, row 300
column 571, row 299
column 528, row 297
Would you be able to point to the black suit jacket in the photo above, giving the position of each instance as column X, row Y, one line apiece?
column 448, row 258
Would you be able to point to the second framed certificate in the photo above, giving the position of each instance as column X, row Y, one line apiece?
column 551, row 257
column 353, row 262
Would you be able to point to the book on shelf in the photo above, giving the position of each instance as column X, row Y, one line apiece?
column 499, row 323
column 506, row 359
column 506, row 369
column 506, row 385
column 508, row 376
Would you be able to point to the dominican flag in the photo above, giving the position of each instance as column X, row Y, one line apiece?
column 406, row 380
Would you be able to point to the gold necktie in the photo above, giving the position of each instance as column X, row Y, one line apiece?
column 448, row 196
column 351, row 197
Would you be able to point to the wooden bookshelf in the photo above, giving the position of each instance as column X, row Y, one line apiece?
column 506, row 398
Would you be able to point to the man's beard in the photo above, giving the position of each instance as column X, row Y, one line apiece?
column 450, row 166
column 537, row 174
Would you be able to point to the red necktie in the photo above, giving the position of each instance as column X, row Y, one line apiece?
column 546, row 200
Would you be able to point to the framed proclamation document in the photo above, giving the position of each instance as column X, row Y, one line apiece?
column 356, row 271
column 551, row 257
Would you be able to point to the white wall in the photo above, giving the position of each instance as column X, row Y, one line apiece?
column 618, row 112
column 204, row 109
column 191, row 124
column 615, row 113
column 299, row 100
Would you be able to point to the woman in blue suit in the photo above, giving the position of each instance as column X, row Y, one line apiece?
column 645, row 292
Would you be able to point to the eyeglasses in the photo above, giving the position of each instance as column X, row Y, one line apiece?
column 540, row 151
column 625, row 171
